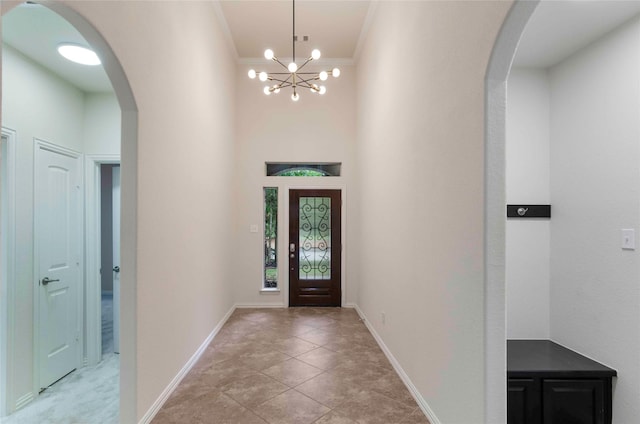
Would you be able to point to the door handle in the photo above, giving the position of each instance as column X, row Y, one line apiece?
column 116, row 269
column 292, row 247
column 47, row 280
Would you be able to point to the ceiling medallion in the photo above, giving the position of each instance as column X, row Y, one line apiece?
column 293, row 77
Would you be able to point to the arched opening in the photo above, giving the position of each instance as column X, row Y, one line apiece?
column 495, row 127
column 128, row 149
column 572, row 100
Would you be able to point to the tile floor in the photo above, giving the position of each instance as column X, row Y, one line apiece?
column 298, row 366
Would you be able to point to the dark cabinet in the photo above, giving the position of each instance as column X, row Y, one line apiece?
column 550, row 384
column 524, row 401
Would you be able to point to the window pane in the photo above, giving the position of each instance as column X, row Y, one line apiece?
column 303, row 169
column 270, row 238
column 315, row 238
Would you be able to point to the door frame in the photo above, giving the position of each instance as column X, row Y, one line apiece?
column 38, row 144
column 7, row 277
column 93, row 249
column 283, row 249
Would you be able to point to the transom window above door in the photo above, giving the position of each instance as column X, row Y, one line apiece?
column 303, row 169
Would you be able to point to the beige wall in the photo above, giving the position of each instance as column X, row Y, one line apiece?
column 421, row 151
column 275, row 129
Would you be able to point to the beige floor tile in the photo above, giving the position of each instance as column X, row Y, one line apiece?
column 222, row 373
column 333, row 418
column 318, row 336
column 292, row 372
column 372, row 408
column 327, row 356
column 330, row 389
column 214, row 407
column 359, row 372
column 370, row 354
column 416, row 417
column 392, row 386
column 321, row 358
column 293, row 346
column 262, row 359
column 291, row 408
column 254, row 389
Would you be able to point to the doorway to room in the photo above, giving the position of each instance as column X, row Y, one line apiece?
column 64, row 117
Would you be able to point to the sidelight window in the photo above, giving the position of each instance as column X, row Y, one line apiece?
column 270, row 277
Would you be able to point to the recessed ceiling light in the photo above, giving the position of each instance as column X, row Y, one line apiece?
column 79, row 54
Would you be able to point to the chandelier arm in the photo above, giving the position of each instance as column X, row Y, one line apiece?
column 279, row 80
column 307, row 80
column 307, row 61
column 275, row 59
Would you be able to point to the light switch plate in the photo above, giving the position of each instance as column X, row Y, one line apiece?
column 629, row 239
column 253, row 228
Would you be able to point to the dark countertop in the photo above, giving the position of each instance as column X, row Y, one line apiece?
column 544, row 358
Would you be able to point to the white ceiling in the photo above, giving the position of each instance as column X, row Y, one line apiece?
column 557, row 29
column 333, row 26
column 36, row 31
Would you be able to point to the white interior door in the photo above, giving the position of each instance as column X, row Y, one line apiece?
column 57, row 234
column 116, row 257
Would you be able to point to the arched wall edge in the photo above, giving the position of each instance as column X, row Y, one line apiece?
column 495, row 203
column 129, row 164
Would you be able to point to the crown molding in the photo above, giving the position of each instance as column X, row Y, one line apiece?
column 224, row 26
column 364, row 31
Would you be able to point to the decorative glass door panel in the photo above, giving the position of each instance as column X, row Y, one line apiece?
column 314, row 247
column 315, row 238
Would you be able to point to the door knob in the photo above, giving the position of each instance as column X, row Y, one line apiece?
column 292, row 247
column 116, row 269
column 47, row 280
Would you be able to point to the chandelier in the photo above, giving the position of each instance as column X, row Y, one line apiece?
column 293, row 78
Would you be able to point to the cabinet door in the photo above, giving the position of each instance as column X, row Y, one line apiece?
column 573, row 402
column 523, row 401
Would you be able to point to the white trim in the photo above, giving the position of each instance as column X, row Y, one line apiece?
column 364, row 31
column 270, row 291
column 422, row 403
column 92, row 250
column 7, row 278
column 495, row 335
column 24, row 400
column 157, row 405
column 259, row 305
column 39, row 144
column 224, row 26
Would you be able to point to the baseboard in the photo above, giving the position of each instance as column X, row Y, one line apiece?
column 259, row 305
column 426, row 409
column 183, row 372
column 23, row 401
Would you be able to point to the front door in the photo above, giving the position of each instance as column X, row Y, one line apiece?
column 314, row 247
column 58, row 227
